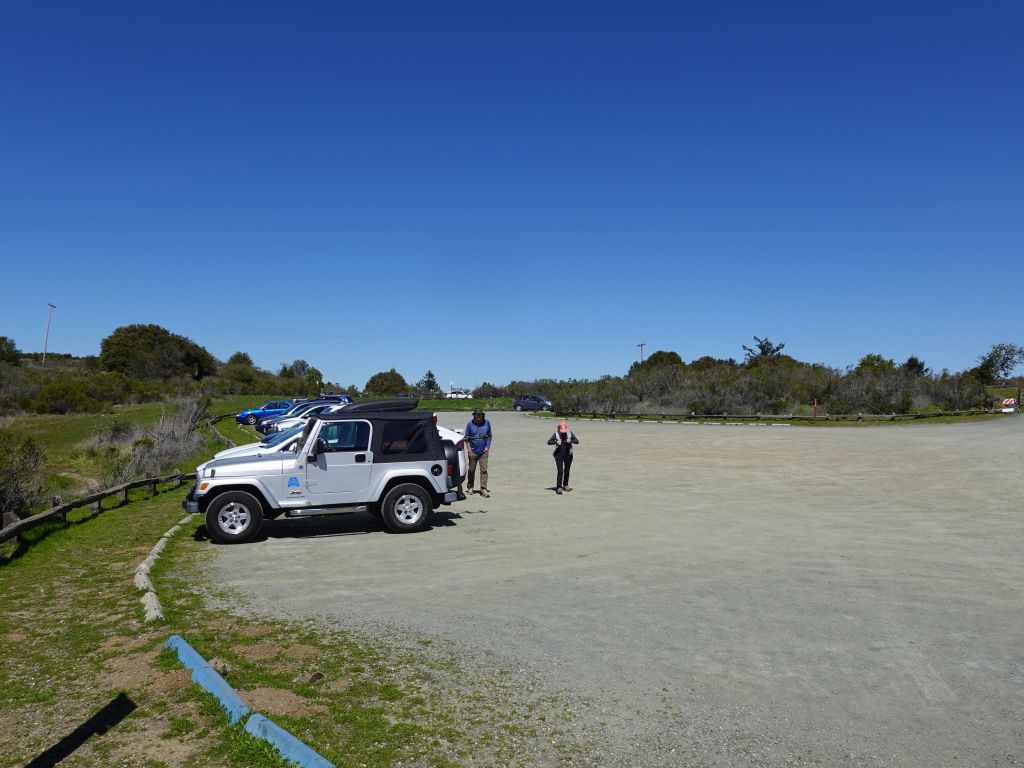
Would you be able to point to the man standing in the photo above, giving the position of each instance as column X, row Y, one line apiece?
column 478, row 444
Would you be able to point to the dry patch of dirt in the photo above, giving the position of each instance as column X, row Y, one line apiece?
column 15, row 637
column 124, row 643
column 131, row 671
column 171, row 682
column 278, row 701
column 302, row 652
column 337, row 686
column 87, row 484
column 258, row 651
column 170, row 752
column 142, row 744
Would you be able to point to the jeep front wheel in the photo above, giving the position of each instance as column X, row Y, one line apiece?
column 406, row 508
column 234, row 517
column 251, row 419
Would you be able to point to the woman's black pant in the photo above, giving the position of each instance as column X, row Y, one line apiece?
column 562, row 464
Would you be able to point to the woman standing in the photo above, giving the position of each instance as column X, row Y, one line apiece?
column 563, row 440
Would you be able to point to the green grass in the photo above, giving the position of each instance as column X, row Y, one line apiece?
column 484, row 404
column 235, row 403
column 68, row 587
column 87, row 607
column 240, row 434
column 70, row 466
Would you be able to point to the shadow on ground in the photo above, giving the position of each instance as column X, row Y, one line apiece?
column 109, row 716
column 355, row 524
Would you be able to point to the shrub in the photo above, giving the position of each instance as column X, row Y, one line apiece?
column 22, row 477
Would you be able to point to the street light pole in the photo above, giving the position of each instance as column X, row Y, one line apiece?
column 642, row 344
column 46, row 341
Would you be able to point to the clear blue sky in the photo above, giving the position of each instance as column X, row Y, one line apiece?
column 518, row 190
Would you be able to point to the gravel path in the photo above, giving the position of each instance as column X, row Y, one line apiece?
column 708, row 595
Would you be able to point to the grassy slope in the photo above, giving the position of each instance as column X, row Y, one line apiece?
column 68, row 465
column 71, row 589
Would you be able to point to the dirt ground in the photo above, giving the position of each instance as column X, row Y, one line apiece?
column 711, row 595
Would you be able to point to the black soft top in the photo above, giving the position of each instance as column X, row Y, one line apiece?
column 375, row 415
column 399, row 404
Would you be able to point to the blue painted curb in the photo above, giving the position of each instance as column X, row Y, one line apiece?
column 206, row 677
column 257, row 725
column 289, row 747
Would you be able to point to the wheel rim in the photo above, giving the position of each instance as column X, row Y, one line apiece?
column 250, row 420
column 234, row 518
column 408, row 508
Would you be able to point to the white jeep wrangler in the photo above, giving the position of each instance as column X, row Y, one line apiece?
column 393, row 464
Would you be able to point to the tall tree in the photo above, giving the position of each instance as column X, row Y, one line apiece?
column 655, row 360
column 386, row 383
column 765, row 350
column 298, row 369
column 875, row 364
column 998, row 362
column 428, row 383
column 915, row 366
column 154, row 353
column 9, row 353
column 240, row 358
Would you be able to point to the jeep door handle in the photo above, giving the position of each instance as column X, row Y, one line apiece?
column 360, row 458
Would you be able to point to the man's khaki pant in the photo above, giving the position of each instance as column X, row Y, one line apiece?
column 471, row 471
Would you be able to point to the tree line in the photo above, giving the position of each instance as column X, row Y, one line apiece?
column 139, row 363
column 144, row 363
column 767, row 381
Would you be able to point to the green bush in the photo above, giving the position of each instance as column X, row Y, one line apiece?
column 79, row 393
column 22, row 477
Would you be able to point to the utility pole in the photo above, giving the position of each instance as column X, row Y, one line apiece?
column 46, row 340
column 642, row 344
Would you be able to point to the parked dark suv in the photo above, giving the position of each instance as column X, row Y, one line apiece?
column 533, row 403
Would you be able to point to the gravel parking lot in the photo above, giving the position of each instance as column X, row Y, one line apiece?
column 711, row 595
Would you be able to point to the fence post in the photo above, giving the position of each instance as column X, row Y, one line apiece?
column 152, row 487
column 123, row 494
column 9, row 518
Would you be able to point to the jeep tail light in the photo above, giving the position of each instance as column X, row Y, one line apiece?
column 459, row 446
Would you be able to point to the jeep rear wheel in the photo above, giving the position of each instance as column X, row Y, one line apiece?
column 234, row 517
column 406, row 508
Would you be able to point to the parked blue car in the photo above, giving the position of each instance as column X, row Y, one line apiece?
column 272, row 408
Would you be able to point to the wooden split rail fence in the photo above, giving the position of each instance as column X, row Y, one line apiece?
column 755, row 417
column 12, row 527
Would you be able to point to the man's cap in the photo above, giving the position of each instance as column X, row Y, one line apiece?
column 478, row 411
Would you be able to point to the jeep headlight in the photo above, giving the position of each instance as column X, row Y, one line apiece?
column 209, row 472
